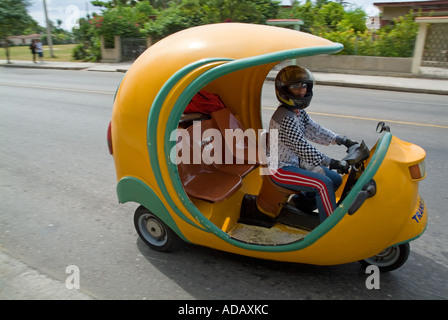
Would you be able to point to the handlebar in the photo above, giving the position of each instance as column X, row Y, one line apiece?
column 357, row 153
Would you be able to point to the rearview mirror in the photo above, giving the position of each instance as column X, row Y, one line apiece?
column 381, row 127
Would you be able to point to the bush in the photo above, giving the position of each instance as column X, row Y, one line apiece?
column 88, row 47
column 332, row 21
column 88, row 51
column 327, row 19
column 397, row 40
column 392, row 41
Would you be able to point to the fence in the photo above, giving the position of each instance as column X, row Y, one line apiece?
column 126, row 49
column 435, row 53
column 131, row 48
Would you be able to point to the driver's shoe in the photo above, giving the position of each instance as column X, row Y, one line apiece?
column 304, row 202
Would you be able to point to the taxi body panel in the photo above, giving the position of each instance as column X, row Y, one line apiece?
column 232, row 60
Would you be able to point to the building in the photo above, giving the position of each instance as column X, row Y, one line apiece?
column 431, row 46
column 392, row 10
column 23, row 40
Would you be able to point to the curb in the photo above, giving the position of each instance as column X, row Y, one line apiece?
column 270, row 77
column 43, row 67
column 380, row 87
column 20, row 282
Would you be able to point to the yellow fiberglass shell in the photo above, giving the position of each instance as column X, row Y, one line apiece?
column 395, row 214
column 232, row 60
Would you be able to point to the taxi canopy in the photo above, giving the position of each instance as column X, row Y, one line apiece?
column 240, row 54
column 228, row 59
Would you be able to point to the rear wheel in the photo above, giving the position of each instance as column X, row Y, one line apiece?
column 389, row 259
column 153, row 231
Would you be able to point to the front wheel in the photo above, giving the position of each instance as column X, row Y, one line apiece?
column 389, row 259
column 153, row 231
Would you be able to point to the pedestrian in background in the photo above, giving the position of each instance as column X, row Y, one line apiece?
column 33, row 50
column 39, row 50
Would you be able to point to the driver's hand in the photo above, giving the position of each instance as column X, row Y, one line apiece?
column 345, row 141
column 340, row 166
column 348, row 143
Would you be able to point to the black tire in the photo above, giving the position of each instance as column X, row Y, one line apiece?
column 389, row 259
column 153, row 231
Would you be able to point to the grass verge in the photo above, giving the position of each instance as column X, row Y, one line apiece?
column 61, row 52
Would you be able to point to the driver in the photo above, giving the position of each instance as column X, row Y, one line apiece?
column 300, row 166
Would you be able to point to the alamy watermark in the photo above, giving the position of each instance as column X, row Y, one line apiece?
column 373, row 280
column 199, row 145
column 72, row 281
column 73, row 14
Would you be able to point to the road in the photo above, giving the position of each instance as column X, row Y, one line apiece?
column 58, row 206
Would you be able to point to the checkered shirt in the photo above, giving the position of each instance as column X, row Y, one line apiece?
column 294, row 131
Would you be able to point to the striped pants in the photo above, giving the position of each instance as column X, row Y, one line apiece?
column 323, row 186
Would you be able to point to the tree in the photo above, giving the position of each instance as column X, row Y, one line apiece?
column 329, row 16
column 356, row 19
column 333, row 20
column 398, row 40
column 251, row 11
column 178, row 17
column 14, row 19
column 189, row 13
column 115, row 3
column 124, row 21
column 58, row 34
column 123, row 18
column 337, row 22
column 88, row 47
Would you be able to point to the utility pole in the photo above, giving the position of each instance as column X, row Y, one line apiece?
column 49, row 39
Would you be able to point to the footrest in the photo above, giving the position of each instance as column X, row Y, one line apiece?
column 294, row 217
column 250, row 214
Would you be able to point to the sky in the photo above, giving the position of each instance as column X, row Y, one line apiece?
column 69, row 11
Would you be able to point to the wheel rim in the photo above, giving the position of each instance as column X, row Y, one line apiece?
column 152, row 230
column 386, row 257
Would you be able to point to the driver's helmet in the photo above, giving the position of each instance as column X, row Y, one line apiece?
column 294, row 75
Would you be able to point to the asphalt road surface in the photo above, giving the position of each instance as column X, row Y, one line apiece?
column 59, row 214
